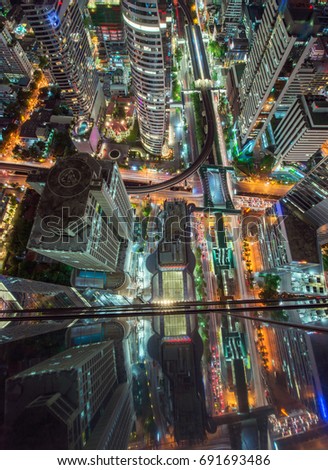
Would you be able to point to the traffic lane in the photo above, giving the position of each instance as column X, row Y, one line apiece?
column 262, row 188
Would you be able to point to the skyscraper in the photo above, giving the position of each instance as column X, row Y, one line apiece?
column 84, row 217
column 308, row 199
column 14, row 63
column 58, row 26
column 303, row 129
column 282, row 45
column 281, row 241
column 70, row 401
column 231, row 16
column 147, row 31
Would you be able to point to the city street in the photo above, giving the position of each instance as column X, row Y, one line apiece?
column 261, row 187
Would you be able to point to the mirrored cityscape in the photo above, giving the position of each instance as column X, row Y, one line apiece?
column 163, row 224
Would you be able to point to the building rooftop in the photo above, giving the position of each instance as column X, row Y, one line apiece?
column 105, row 15
column 316, row 108
column 63, row 203
column 297, row 231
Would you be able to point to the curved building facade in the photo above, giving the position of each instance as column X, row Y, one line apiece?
column 58, row 26
column 147, row 42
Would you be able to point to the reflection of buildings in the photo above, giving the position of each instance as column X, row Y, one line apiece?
column 72, row 400
column 58, row 25
column 176, row 344
column 28, row 343
column 302, row 357
column 147, row 28
column 84, row 217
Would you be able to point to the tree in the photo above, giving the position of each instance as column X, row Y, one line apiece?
column 43, row 62
column 37, row 75
column 33, row 86
column 119, row 112
column 178, row 54
column 55, row 91
column 60, row 143
column 280, row 315
column 270, row 287
column 216, row 49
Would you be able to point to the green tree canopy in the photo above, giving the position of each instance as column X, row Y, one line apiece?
column 216, row 49
column 270, row 287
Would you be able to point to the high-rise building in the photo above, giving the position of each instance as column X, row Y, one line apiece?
column 303, row 129
column 147, row 27
column 281, row 241
column 72, row 400
column 281, row 47
column 308, row 199
column 251, row 19
column 58, row 26
column 231, row 16
column 310, row 79
column 17, row 293
column 84, row 218
column 25, row 293
column 14, row 63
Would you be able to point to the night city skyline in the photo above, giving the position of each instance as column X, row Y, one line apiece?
column 164, row 225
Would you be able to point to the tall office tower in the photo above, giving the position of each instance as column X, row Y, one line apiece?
column 147, row 27
column 84, row 218
column 17, row 293
column 303, row 129
column 72, row 400
column 281, row 241
column 308, row 199
column 231, row 16
column 310, row 79
column 14, row 63
column 58, row 26
column 281, row 47
column 251, row 19
column 24, row 293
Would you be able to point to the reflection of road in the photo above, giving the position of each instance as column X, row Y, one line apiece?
column 250, row 187
column 153, row 371
column 244, row 294
column 213, row 388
